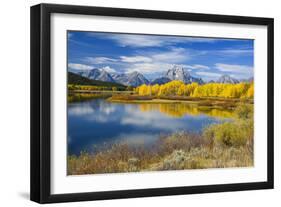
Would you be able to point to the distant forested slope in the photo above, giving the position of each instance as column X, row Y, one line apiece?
column 80, row 80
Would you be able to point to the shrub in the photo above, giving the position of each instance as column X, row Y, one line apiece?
column 177, row 141
column 234, row 133
column 209, row 135
column 244, row 111
column 229, row 134
column 174, row 161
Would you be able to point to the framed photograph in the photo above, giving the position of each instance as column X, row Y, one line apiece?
column 133, row 103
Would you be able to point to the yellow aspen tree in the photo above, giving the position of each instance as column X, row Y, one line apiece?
column 155, row 89
column 250, row 92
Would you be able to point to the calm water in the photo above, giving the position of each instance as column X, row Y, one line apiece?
column 97, row 121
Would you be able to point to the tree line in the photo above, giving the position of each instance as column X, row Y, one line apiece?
column 178, row 88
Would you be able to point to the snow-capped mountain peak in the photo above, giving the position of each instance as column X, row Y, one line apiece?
column 178, row 72
column 227, row 79
column 105, row 76
column 135, row 79
column 95, row 74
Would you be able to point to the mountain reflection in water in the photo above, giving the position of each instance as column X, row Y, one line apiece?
column 97, row 121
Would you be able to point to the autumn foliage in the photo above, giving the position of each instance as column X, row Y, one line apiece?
column 178, row 88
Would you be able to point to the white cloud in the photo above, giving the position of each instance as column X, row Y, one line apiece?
column 245, row 69
column 200, row 39
column 158, row 67
column 235, row 52
column 148, row 68
column 156, row 62
column 175, row 55
column 77, row 66
column 134, row 59
column 135, row 40
column 149, row 62
column 198, row 66
column 109, row 69
column 159, row 62
column 99, row 60
column 208, row 74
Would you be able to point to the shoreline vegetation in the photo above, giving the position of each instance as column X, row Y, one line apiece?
column 211, row 102
column 224, row 95
column 220, row 145
column 227, row 144
column 210, row 95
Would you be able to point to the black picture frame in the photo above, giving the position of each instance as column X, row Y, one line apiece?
column 41, row 99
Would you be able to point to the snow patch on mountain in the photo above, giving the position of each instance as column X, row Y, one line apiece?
column 227, row 79
column 178, row 72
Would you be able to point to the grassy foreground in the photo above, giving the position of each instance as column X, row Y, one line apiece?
column 229, row 144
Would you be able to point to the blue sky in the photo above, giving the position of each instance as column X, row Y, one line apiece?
column 153, row 55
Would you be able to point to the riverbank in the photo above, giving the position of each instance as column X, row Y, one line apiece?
column 228, row 144
column 214, row 102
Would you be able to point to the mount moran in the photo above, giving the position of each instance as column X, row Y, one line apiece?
column 136, row 79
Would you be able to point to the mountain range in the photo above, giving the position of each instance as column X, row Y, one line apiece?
column 128, row 79
column 77, row 79
column 135, row 78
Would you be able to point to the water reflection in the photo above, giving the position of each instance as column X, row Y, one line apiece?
column 182, row 109
column 97, row 121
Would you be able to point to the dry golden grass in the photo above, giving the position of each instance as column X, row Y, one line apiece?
column 78, row 97
column 176, row 152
